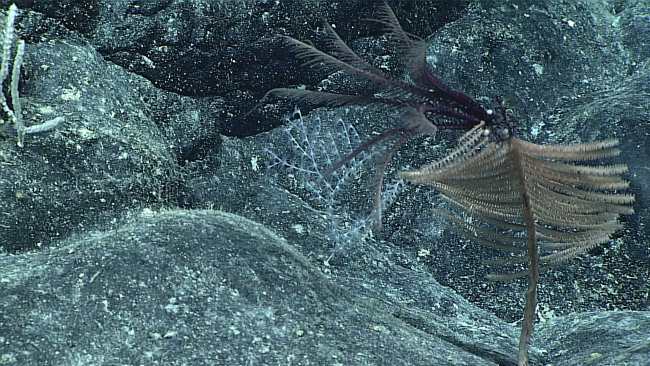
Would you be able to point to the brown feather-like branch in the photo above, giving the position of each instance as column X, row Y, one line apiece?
column 532, row 202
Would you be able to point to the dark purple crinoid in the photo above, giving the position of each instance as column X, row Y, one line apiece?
column 428, row 104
